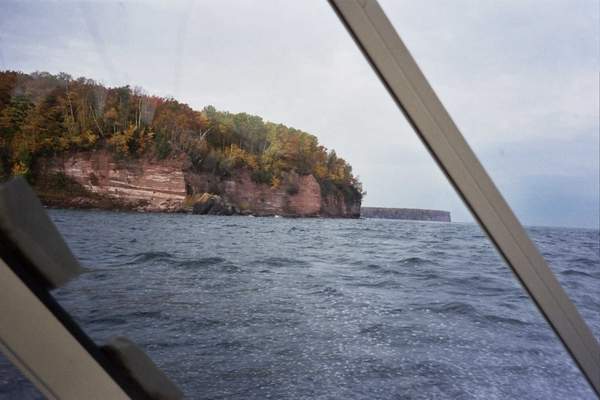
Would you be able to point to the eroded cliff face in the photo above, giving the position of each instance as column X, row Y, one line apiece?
column 334, row 204
column 298, row 196
column 172, row 186
column 139, row 185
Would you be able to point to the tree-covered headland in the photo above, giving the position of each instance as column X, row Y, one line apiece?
column 43, row 115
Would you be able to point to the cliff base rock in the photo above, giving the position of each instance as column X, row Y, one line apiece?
column 96, row 179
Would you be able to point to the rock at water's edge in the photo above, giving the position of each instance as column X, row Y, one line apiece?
column 172, row 186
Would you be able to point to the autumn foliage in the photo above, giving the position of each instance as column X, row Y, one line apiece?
column 44, row 115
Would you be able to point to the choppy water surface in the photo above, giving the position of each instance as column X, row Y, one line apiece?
column 256, row 308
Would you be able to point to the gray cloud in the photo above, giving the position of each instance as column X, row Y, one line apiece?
column 520, row 80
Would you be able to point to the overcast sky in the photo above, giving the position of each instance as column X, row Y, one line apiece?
column 520, row 78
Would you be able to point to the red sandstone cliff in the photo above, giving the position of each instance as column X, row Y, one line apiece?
column 172, row 186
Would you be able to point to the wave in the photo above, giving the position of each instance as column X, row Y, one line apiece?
column 375, row 331
column 585, row 261
column 380, row 284
column 108, row 320
column 415, row 261
column 148, row 256
column 459, row 308
column 381, row 270
column 573, row 272
column 201, row 262
column 231, row 345
column 429, row 276
column 207, row 323
column 328, row 292
column 493, row 286
column 505, row 320
column 231, row 269
column 281, row 262
column 455, row 307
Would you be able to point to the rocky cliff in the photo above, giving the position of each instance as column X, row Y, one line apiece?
column 97, row 179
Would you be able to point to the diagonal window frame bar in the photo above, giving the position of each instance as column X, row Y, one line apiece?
column 383, row 48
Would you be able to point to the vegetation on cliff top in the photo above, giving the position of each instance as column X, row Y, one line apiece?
column 42, row 115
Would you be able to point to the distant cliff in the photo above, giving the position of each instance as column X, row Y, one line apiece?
column 405, row 213
column 100, row 180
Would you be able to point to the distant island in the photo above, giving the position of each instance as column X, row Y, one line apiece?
column 405, row 213
column 83, row 145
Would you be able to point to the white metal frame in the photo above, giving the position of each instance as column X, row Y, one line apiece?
column 36, row 342
column 391, row 60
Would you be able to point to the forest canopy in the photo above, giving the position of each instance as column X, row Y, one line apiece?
column 42, row 115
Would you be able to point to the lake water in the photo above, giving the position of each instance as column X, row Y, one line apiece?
column 258, row 308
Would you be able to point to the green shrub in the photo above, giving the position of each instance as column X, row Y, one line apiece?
column 262, row 176
column 162, row 146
